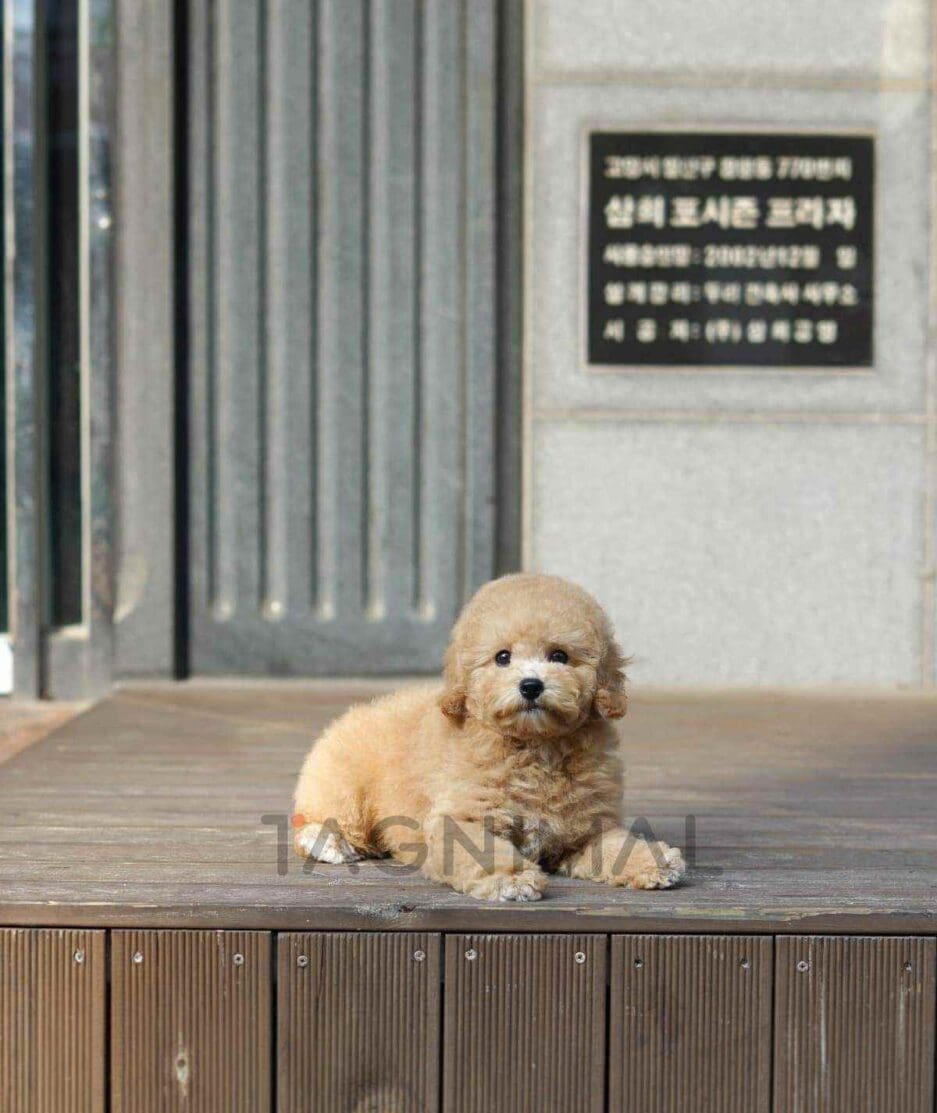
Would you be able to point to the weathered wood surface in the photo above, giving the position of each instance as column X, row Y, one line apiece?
column 191, row 1021
column 690, row 1023
column 22, row 724
column 159, row 808
column 358, row 1021
column 524, row 1023
column 53, row 1023
column 854, row 1025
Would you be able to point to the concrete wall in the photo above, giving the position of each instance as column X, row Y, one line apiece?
column 743, row 527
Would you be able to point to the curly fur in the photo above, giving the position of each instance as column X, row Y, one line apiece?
column 481, row 788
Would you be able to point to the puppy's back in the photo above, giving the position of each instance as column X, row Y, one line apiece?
column 371, row 764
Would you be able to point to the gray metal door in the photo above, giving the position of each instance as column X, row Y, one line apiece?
column 343, row 297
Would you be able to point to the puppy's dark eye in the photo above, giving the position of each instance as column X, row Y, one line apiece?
column 559, row 656
column 503, row 657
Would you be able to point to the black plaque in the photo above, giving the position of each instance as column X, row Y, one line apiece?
column 730, row 249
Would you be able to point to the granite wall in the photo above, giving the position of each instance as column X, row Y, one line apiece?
column 744, row 526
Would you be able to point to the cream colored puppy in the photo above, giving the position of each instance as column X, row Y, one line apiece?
column 509, row 769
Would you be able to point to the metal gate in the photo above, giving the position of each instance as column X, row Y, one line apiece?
column 344, row 294
column 56, row 598
column 280, row 434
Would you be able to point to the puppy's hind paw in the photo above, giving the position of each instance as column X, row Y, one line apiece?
column 663, row 868
column 524, row 886
column 316, row 841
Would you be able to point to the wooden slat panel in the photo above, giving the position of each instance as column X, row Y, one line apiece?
column 690, row 1024
column 190, row 1021
column 524, row 1023
column 52, row 1021
column 854, row 1025
column 358, row 1022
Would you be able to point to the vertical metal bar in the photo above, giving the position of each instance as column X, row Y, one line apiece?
column 342, row 309
column 509, row 246
column 6, row 650
column 439, row 482
column 62, row 291
column 144, row 271
column 99, row 477
column 289, row 325
column 22, row 207
column 80, row 656
column 195, row 569
column 479, row 320
column 392, row 263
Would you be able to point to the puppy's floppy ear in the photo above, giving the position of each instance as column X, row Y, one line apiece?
column 454, row 695
column 610, row 700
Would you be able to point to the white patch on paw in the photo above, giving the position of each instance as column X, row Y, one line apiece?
column 519, row 891
column 659, row 866
column 674, row 859
column 668, row 875
column 326, row 846
column 524, row 886
column 515, row 887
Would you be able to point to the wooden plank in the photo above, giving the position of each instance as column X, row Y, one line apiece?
column 52, row 1021
column 190, row 1021
column 27, row 722
column 690, row 1024
column 358, row 1022
column 854, row 1025
column 524, row 1023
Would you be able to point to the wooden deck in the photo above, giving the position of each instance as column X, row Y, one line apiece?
column 795, row 972
column 168, row 807
column 22, row 724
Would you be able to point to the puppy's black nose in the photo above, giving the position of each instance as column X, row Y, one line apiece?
column 530, row 687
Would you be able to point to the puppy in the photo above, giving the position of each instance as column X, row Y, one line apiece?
column 508, row 771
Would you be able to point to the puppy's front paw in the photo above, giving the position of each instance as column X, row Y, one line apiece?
column 523, row 886
column 654, row 866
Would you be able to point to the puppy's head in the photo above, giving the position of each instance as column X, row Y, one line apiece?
column 533, row 657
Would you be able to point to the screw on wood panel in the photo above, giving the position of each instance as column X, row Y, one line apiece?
column 471, row 954
column 638, row 963
column 238, row 960
column 79, row 957
column 302, row 961
column 419, row 955
column 137, row 957
column 803, row 965
column 745, row 964
column 580, row 957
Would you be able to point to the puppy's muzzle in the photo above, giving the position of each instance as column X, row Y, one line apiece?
column 531, row 688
